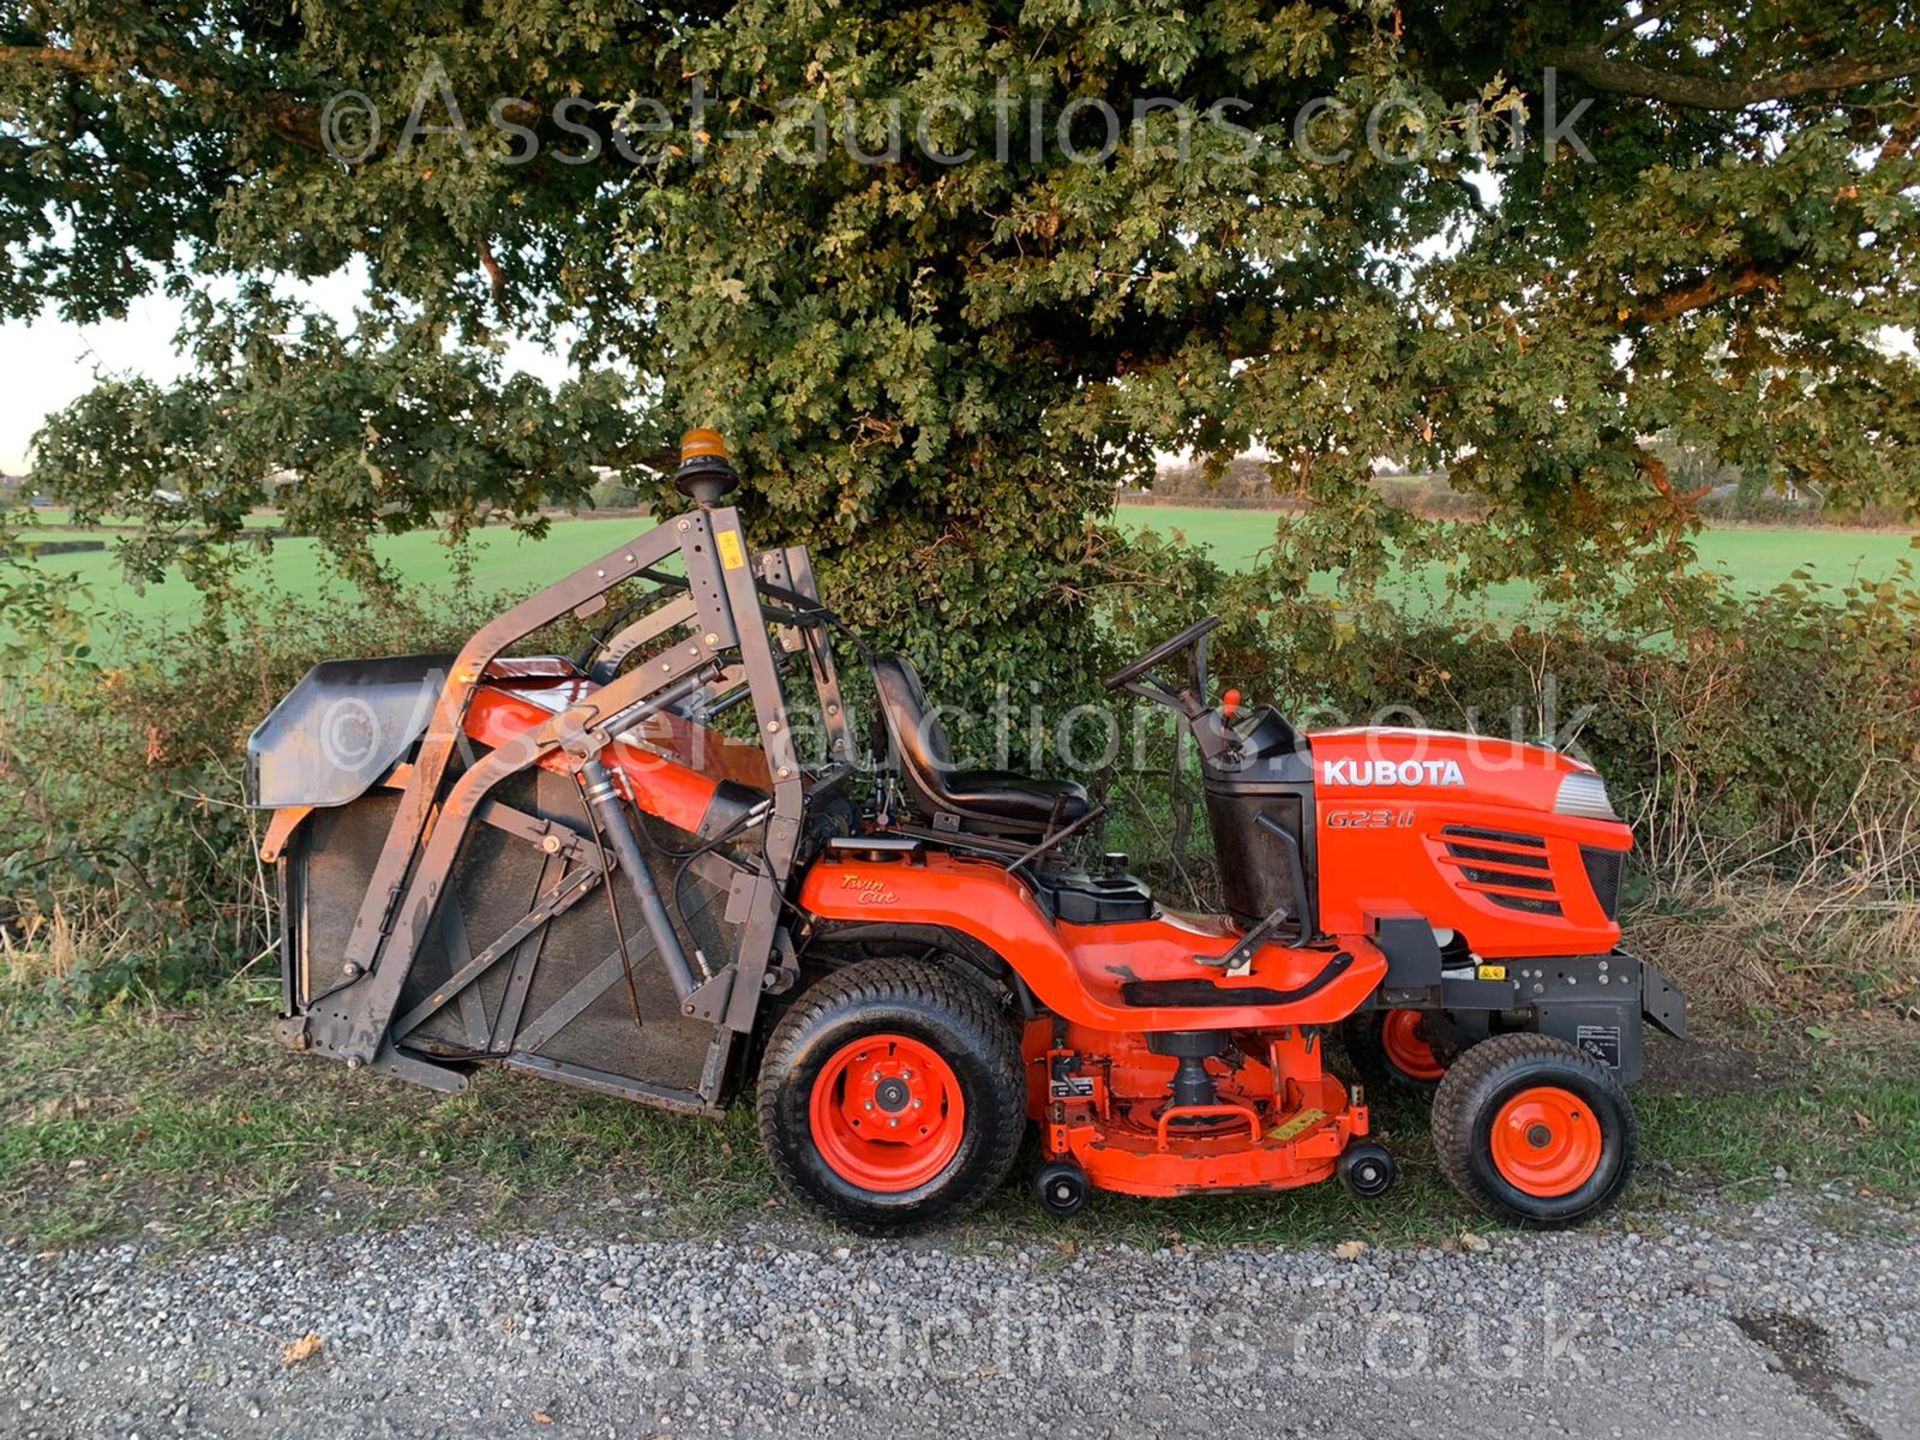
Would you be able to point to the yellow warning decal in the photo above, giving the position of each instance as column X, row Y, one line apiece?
column 732, row 555
column 1296, row 1124
column 1492, row 972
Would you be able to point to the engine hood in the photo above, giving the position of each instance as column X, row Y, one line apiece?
column 1370, row 763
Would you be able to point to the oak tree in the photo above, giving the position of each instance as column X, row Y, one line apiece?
column 949, row 272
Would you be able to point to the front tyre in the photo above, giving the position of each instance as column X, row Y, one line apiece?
column 1394, row 1049
column 1533, row 1131
column 892, row 1096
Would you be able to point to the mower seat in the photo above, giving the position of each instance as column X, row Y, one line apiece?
column 984, row 801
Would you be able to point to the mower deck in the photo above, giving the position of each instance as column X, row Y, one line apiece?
column 1102, row 1102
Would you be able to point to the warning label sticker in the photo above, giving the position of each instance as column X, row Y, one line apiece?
column 1602, row 1042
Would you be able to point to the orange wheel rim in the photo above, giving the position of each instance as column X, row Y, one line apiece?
column 1406, row 1051
column 887, row 1114
column 1547, row 1142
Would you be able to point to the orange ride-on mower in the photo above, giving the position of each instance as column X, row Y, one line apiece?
column 580, row 868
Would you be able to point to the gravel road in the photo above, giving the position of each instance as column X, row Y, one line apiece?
column 1743, row 1321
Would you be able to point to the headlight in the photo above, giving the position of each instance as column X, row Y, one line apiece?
column 1586, row 796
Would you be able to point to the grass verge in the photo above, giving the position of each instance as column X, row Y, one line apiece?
column 192, row 1128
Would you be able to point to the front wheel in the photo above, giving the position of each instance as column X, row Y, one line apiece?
column 1395, row 1049
column 1534, row 1131
column 892, row 1096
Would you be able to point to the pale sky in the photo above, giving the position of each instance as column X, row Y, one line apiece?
column 46, row 363
column 49, row 362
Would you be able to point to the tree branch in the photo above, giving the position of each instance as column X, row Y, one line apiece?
column 1671, row 304
column 1681, row 502
column 1714, row 92
column 54, row 58
column 1628, row 24
column 292, row 119
column 496, row 278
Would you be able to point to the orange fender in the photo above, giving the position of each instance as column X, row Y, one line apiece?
column 1079, row 972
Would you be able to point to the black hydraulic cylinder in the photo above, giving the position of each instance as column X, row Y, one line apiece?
column 611, row 818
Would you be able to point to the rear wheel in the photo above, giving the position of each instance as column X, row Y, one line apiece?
column 892, row 1096
column 1534, row 1131
column 1395, row 1048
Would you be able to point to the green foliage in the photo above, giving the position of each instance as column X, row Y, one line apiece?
column 1780, row 736
column 43, row 610
column 937, row 372
column 121, row 801
column 387, row 429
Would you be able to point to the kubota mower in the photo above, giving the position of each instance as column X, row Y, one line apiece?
column 596, row 869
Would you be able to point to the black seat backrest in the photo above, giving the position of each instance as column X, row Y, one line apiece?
column 911, row 725
column 988, row 801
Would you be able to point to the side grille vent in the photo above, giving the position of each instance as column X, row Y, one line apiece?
column 1512, row 882
column 1498, row 837
column 1495, row 863
column 1605, row 869
column 1526, row 903
column 1497, row 857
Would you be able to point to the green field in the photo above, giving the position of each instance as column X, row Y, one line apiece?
column 60, row 517
column 502, row 561
column 1753, row 558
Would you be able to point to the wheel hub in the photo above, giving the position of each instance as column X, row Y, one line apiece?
column 887, row 1113
column 1546, row 1141
column 1407, row 1049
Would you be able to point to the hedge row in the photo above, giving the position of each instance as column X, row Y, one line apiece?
column 1778, row 737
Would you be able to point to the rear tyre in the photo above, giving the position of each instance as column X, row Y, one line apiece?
column 892, row 1096
column 1391, row 1049
column 1533, row 1131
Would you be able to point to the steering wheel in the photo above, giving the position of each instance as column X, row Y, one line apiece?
column 1164, row 652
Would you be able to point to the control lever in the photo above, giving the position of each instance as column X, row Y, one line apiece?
column 1242, row 952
